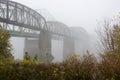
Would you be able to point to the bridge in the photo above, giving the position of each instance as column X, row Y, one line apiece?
column 22, row 21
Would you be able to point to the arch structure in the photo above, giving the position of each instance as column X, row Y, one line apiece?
column 58, row 28
column 23, row 21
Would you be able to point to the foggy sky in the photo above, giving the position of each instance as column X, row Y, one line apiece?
column 83, row 13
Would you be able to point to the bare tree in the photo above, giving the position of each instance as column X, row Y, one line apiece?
column 109, row 38
column 105, row 38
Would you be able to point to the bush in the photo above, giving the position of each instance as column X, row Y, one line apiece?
column 5, row 46
column 74, row 68
column 71, row 69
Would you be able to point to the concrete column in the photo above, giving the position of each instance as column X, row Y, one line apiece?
column 41, row 47
column 68, row 47
column 45, row 47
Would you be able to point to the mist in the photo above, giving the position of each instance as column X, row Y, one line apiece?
column 81, row 16
column 86, row 42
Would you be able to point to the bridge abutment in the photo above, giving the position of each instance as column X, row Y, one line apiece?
column 68, row 47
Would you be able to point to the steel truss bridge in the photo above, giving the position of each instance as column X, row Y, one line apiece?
column 23, row 21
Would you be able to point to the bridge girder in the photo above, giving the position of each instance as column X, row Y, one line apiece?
column 58, row 28
column 16, row 17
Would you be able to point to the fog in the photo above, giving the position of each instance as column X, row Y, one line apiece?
column 84, row 43
column 18, row 47
column 80, row 13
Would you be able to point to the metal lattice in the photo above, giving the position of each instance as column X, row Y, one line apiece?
column 20, row 20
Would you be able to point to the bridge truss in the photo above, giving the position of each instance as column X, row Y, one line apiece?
column 23, row 21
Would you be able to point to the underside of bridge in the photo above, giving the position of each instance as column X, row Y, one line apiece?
column 22, row 21
column 43, row 47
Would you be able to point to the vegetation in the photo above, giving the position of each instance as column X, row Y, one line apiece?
column 71, row 69
column 76, row 67
column 5, row 46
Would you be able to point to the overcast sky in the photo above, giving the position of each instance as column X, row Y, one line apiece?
column 83, row 13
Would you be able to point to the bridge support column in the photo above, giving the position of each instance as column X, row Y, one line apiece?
column 41, row 47
column 45, row 47
column 68, row 47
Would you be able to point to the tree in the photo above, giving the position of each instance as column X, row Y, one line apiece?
column 5, row 46
column 116, row 38
column 104, row 35
column 110, row 40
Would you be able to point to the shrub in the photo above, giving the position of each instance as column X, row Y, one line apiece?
column 5, row 46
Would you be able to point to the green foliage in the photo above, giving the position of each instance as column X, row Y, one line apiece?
column 35, row 59
column 113, row 40
column 109, row 66
column 27, row 56
column 5, row 46
column 116, row 39
column 74, row 68
column 80, row 68
column 71, row 69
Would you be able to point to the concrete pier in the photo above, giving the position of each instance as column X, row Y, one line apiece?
column 45, row 46
column 68, row 47
column 42, row 46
